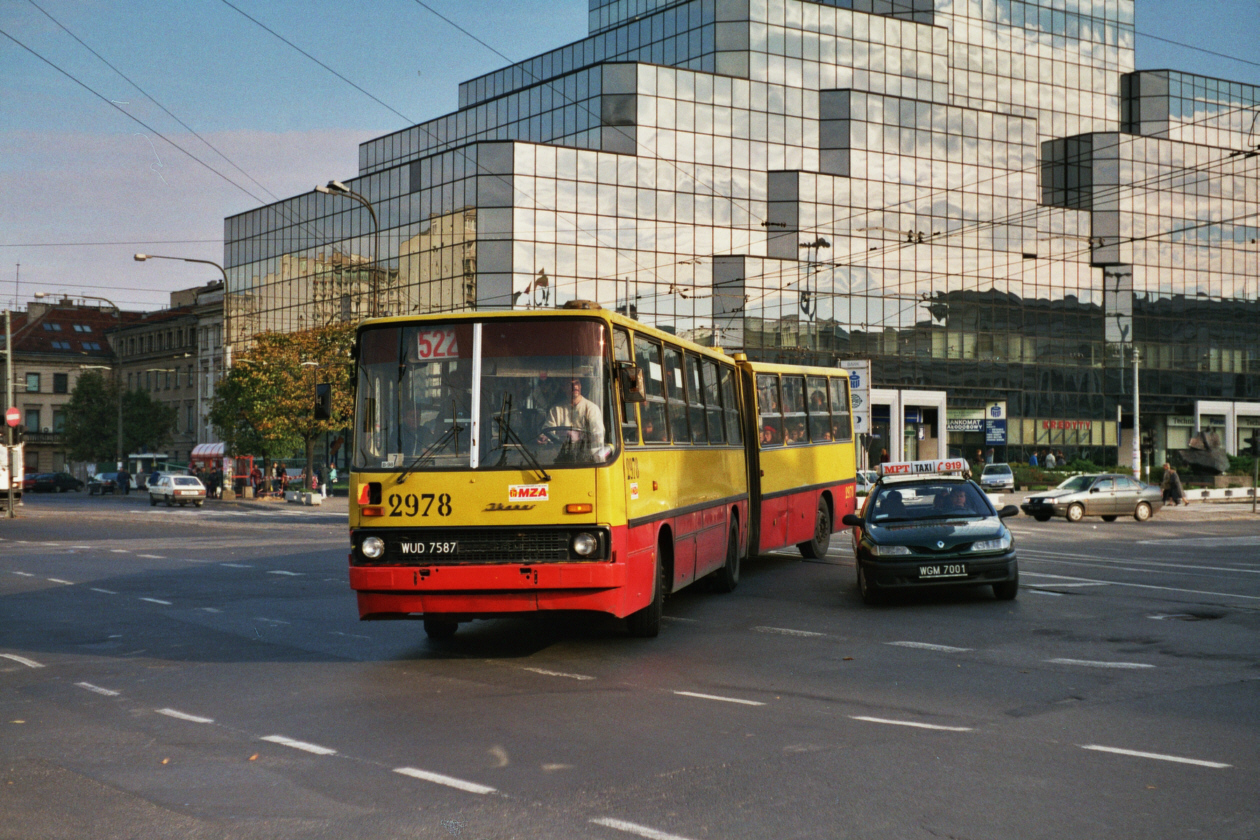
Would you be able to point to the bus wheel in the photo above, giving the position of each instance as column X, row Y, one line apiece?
column 726, row 578
column 440, row 629
column 817, row 547
column 646, row 623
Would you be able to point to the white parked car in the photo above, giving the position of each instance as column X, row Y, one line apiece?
column 177, row 489
column 997, row 477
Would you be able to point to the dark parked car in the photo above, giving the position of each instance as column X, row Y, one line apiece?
column 56, row 483
column 1108, row 495
column 103, row 483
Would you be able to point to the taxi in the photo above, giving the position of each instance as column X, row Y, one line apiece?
column 923, row 524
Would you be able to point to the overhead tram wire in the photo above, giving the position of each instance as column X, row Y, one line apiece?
column 411, row 123
column 96, row 244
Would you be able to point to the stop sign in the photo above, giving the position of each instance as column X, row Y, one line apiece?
column 12, row 416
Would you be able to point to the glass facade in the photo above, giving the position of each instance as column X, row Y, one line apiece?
column 981, row 196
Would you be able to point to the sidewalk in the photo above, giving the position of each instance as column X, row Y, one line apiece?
column 1213, row 504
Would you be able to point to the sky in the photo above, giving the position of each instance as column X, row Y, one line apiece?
column 89, row 169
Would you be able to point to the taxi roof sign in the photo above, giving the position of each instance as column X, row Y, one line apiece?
column 951, row 465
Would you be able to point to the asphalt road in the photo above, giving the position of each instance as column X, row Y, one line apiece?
column 202, row 673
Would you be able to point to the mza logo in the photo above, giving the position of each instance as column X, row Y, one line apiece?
column 527, row 492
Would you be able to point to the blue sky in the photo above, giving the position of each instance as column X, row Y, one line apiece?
column 74, row 169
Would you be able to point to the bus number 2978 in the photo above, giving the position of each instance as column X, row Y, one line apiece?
column 421, row 505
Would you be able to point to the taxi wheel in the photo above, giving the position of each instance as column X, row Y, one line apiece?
column 646, row 623
column 440, row 629
column 817, row 547
column 726, row 578
column 1142, row 512
column 869, row 591
column 1075, row 513
column 1007, row 589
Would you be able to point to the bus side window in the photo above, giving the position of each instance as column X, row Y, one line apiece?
column 730, row 406
column 819, row 409
column 676, row 395
column 770, row 419
column 647, row 355
column 712, row 401
column 695, row 400
column 840, row 428
column 794, row 429
column 629, row 412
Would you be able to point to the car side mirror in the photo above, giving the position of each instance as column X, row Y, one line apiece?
column 632, row 387
column 1094, row 489
column 1009, row 510
column 853, row 520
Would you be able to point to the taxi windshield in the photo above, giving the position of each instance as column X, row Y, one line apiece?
column 927, row 500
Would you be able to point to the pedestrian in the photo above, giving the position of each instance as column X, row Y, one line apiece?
column 1032, row 460
column 1060, row 460
column 332, row 474
column 1171, row 485
column 321, row 483
column 883, row 456
column 1050, row 463
column 124, row 481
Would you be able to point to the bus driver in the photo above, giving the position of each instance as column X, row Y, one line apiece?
column 574, row 419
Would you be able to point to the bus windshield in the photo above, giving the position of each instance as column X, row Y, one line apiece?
column 484, row 395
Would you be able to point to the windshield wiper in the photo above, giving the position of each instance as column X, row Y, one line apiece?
column 507, row 433
column 437, row 446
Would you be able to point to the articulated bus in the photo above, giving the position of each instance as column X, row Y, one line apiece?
column 575, row 459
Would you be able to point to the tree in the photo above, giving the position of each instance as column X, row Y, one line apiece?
column 91, row 430
column 266, row 402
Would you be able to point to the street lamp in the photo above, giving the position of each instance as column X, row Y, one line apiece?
column 227, row 308
column 338, row 188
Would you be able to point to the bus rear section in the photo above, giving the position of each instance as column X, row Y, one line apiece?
column 486, row 476
column 802, row 477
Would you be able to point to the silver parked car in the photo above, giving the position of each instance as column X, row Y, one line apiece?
column 177, row 489
column 997, row 477
column 1107, row 495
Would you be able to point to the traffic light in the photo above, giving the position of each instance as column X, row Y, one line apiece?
column 1253, row 447
column 19, row 434
column 1148, row 442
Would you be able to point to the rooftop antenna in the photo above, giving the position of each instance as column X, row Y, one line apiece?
column 17, row 286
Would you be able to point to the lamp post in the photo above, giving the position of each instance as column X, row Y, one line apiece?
column 338, row 188
column 227, row 308
column 8, row 402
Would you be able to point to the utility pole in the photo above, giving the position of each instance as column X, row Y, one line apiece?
column 1137, row 426
column 8, row 402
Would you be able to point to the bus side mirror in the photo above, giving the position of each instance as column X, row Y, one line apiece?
column 632, row 387
column 323, row 401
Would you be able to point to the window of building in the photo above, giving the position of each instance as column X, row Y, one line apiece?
column 61, row 383
column 129, row 382
column 59, row 420
column 32, row 383
column 32, row 419
column 191, row 418
column 50, row 327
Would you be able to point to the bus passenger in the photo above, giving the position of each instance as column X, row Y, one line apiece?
column 575, row 419
column 769, row 436
column 650, row 432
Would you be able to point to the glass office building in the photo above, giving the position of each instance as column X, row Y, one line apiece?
column 980, row 196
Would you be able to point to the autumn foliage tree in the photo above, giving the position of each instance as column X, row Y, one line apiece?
column 266, row 402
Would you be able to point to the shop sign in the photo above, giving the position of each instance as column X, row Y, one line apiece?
column 1067, row 425
column 859, row 371
column 995, row 424
column 964, row 424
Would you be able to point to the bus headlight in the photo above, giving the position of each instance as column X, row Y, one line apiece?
column 584, row 545
column 372, row 547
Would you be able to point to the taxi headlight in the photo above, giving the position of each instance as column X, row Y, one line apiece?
column 889, row 550
column 372, row 547
column 584, row 545
column 1000, row 544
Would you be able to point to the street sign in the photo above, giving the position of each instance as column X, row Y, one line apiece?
column 12, row 416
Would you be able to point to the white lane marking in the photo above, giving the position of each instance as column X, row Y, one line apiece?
column 680, row 618
column 24, row 574
column 449, row 781
column 927, row 646
column 283, row 572
column 22, row 660
column 1036, row 591
column 103, row 591
column 1093, row 664
column 184, row 716
column 299, row 745
column 47, row 543
column 151, row 556
column 157, row 601
column 211, row 610
column 83, row 547
column 1074, row 585
column 59, row 580
column 718, row 697
column 635, row 828
column 787, row 631
column 1157, row 756
column 547, row 673
column 237, row 565
column 272, row 620
column 1110, row 561
column 97, row 689
column 912, row 724
column 1203, row 542
column 119, row 551
column 339, row 633
column 1146, row 586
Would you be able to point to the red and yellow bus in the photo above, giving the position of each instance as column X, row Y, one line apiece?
column 509, row 462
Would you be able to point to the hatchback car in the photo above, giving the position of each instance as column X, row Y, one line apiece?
column 997, row 477
column 177, row 490
column 103, row 483
column 56, row 483
column 932, row 528
column 1107, row 495
column 866, row 480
